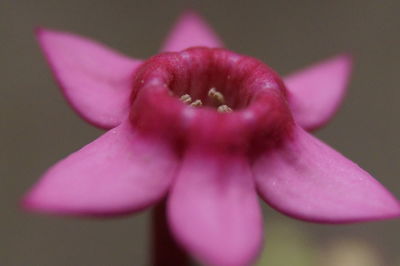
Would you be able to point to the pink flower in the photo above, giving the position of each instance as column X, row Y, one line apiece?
column 210, row 164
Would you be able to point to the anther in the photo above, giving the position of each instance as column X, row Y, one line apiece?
column 196, row 103
column 216, row 95
column 224, row 109
column 186, row 99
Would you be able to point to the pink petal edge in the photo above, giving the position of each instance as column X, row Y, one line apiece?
column 190, row 30
column 96, row 80
column 120, row 172
column 308, row 180
column 213, row 209
column 316, row 92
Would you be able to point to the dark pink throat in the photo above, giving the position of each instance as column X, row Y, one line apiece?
column 213, row 98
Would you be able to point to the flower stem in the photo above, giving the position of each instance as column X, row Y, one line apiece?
column 165, row 250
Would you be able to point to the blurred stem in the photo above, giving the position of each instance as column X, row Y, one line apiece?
column 165, row 250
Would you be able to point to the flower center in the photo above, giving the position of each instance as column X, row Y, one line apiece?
column 216, row 98
column 210, row 96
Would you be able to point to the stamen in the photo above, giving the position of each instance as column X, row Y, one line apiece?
column 224, row 109
column 186, row 99
column 216, row 95
column 212, row 93
column 196, row 103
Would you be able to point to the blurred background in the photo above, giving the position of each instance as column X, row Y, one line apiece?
column 38, row 128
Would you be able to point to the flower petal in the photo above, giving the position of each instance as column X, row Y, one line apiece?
column 213, row 209
column 118, row 173
column 307, row 179
column 315, row 93
column 95, row 79
column 190, row 30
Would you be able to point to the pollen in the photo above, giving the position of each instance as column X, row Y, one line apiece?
column 186, row 99
column 216, row 95
column 224, row 109
column 196, row 103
